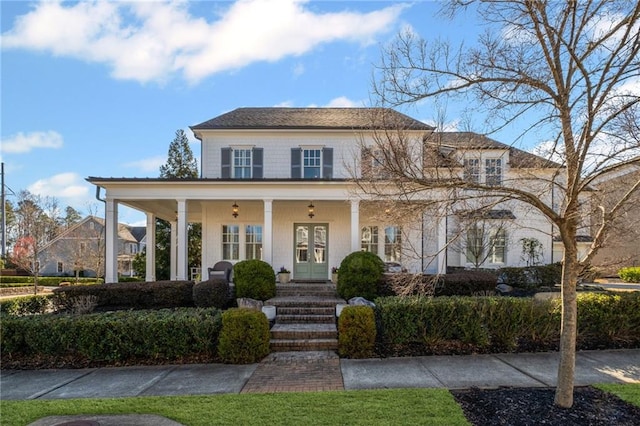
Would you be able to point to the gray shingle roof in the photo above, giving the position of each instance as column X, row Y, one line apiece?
column 469, row 140
column 311, row 118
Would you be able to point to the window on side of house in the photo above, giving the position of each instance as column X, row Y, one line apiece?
column 475, row 244
column 498, row 244
column 253, row 242
column 392, row 244
column 369, row 239
column 60, row 267
column 83, row 247
column 230, row 242
column 472, row 170
column 493, row 171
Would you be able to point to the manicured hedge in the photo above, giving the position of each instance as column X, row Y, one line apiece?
column 532, row 276
column 159, row 294
column 112, row 337
column 254, row 279
column 630, row 275
column 454, row 325
column 26, row 305
column 45, row 281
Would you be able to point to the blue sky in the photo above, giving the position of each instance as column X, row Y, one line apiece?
column 99, row 89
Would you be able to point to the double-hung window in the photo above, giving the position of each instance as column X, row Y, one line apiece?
column 253, row 242
column 472, row 170
column 392, row 244
column 241, row 162
column 231, row 242
column 493, row 171
column 311, row 163
column 498, row 246
column 369, row 239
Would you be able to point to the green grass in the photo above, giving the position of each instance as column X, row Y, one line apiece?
column 380, row 407
column 627, row 392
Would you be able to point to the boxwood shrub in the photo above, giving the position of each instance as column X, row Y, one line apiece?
column 360, row 273
column 245, row 336
column 214, row 292
column 159, row 294
column 254, row 279
column 119, row 337
column 356, row 332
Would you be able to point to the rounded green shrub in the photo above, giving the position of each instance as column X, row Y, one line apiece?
column 254, row 279
column 211, row 293
column 359, row 274
column 630, row 275
column 244, row 337
column 356, row 332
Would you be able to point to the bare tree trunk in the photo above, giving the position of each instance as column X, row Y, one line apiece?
column 568, row 332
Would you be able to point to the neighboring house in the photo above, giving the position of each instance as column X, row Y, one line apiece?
column 276, row 184
column 622, row 246
column 81, row 248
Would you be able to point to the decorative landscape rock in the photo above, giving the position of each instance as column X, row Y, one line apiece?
column 245, row 302
column 504, row 288
column 361, row 301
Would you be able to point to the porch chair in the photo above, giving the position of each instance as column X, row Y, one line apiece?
column 222, row 269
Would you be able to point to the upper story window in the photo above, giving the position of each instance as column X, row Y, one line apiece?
column 311, row 163
column 493, row 171
column 241, row 163
column 472, row 170
column 374, row 164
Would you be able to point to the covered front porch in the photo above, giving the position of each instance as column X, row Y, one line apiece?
column 306, row 229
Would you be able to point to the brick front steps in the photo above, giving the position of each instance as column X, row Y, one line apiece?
column 305, row 317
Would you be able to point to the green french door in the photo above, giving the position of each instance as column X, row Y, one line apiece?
column 311, row 244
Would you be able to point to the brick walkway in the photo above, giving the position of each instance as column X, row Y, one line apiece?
column 296, row 372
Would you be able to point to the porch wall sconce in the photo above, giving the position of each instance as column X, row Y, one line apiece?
column 311, row 213
column 234, row 209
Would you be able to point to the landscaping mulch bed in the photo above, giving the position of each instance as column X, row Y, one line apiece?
column 534, row 406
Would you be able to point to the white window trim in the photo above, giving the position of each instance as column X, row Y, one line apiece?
column 236, row 148
column 312, row 148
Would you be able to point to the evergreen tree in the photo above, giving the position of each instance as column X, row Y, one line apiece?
column 71, row 217
column 181, row 164
column 180, row 160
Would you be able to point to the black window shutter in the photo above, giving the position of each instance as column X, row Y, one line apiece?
column 296, row 169
column 327, row 163
column 226, row 163
column 257, row 154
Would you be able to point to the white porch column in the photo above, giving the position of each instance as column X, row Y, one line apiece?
column 182, row 258
column 173, row 274
column 111, row 241
column 442, row 244
column 355, row 225
column 267, row 232
column 150, row 274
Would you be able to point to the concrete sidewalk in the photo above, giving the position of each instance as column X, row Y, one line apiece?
column 319, row 371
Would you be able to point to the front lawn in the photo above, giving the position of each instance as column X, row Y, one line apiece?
column 398, row 406
column 627, row 392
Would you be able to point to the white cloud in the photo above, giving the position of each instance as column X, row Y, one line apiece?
column 150, row 41
column 298, row 69
column 151, row 164
column 344, row 102
column 450, row 126
column 69, row 186
column 284, row 104
column 21, row 143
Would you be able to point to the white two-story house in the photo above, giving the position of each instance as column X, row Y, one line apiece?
column 277, row 184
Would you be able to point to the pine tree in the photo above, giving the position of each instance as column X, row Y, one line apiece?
column 180, row 160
